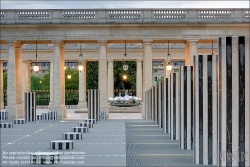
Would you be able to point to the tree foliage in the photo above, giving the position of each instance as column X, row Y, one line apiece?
column 73, row 83
column 119, row 82
column 36, row 83
column 91, row 75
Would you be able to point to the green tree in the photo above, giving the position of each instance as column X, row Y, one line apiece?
column 119, row 82
column 36, row 82
column 92, row 75
column 5, row 81
column 73, row 83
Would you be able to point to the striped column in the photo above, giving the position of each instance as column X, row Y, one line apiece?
column 30, row 106
column 80, row 129
column 186, row 132
column 175, row 107
column 61, row 144
column 72, row 136
column 160, row 104
column 44, row 158
column 19, row 121
column 94, row 104
column 156, row 103
column 150, row 103
column 205, row 109
column 6, row 125
column 146, row 104
column 3, row 115
column 234, row 102
column 166, row 105
column 153, row 103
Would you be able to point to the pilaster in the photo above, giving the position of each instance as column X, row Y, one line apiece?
column 110, row 79
column 82, row 88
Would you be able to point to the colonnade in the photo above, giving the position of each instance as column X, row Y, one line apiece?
column 206, row 105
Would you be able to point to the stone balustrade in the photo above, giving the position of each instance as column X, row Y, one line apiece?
column 80, row 16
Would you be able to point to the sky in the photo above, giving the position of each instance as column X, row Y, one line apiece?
column 102, row 4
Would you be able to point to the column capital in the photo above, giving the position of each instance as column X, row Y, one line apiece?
column 192, row 40
column 110, row 60
column 138, row 60
column 57, row 42
column 147, row 41
column 102, row 42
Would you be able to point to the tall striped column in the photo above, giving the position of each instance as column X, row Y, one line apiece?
column 160, row 104
column 153, row 103
column 166, row 105
column 150, row 103
column 30, row 106
column 93, row 104
column 156, row 104
column 205, row 109
column 234, row 102
column 186, row 116
column 146, row 105
column 175, row 107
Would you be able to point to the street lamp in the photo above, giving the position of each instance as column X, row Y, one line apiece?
column 80, row 63
column 125, row 64
column 169, row 64
column 36, row 66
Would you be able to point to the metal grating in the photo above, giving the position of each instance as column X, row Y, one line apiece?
column 147, row 145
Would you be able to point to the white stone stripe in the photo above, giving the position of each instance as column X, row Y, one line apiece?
column 164, row 105
column 215, row 111
column 189, row 107
column 247, row 101
column 223, row 101
column 169, row 104
column 196, row 109
column 182, row 109
column 171, row 119
column 152, row 103
column 235, row 95
column 205, row 110
column 156, row 112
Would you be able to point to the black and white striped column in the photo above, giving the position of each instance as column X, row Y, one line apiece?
column 94, row 104
column 166, row 105
column 19, row 121
column 85, row 124
column 61, row 144
column 72, row 136
column 160, row 104
column 3, row 115
column 53, row 115
column 156, row 104
column 80, row 129
column 30, row 106
column 234, row 102
column 44, row 158
column 39, row 117
column 6, row 125
column 175, row 107
column 150, row 103
column 205, row 109
column 186, row 131
column 153, row 103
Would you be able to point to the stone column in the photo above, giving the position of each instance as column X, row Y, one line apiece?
column 186, row 130
column 234, row 101
column 110, row 79
column 175, row 107
column 57, row 80
column 1, row 86
column 51, row 88
column 62, row 64
column 191, row 51
column 187, row 53
column 26, row 78
column 147, row 70
column 205, row 109
column 103, row 77
column 139, row 79
column 82, row 89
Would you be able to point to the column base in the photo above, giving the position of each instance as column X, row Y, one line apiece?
column 1, row 105
column 15, row 112
column 82, row 104
column 106, row 109
column 50, row 105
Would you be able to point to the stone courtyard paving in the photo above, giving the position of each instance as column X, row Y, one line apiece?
column 104, row 145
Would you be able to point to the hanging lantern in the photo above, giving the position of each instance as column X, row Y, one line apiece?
column 36, row 66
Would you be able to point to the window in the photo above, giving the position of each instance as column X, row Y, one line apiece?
column 155, row 78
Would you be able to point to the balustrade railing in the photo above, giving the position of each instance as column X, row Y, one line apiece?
column 123, row 15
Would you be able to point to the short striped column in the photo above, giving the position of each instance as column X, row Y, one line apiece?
column 80, row 129
column 39, row 117
column 61, row 145
column 166, row 105
column 19, row 121
column 150, row 103
column 85, row 124
column 44, row 158
column 175, row 107
column 30, row 106
column 72, row 136
column 205, row 109
column 93, row 121
column 234, row 101
column 186, row 132
column 46, row 116
column 3, row 115
column 6, row 125
column 94, row 104
column 53, row 115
